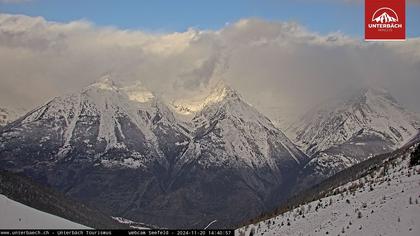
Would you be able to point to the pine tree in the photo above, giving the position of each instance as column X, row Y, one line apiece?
column 415, row 157
column 252, row 232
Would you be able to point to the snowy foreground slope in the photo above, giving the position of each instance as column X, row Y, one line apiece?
column 25, row 191
column 384, row 202
column 14, row 215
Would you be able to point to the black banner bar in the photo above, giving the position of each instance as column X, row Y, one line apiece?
column 140, row 232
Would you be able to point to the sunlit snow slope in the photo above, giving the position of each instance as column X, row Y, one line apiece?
column 384, row 202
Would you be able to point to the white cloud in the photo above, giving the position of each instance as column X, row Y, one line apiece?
column 270, row 63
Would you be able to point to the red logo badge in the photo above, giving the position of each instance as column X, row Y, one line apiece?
column 384, row 20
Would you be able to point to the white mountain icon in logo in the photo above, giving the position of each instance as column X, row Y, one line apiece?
column 385, row 17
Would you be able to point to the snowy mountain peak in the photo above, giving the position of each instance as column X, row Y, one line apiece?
column 371, row 91
column 138, row 92
column 369, row 110
column 105, row 83
column 246, row 133
column 218, row 93
column 222, row 90
column 374, row 95
column 226, row 145
column 111, row 113
column 351, row 129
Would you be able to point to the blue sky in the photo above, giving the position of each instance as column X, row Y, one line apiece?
column 317, row 15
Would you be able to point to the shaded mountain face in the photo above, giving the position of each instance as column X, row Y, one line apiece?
column 255, row 163
column 124, row 150
column 16, row 187
column 348, row 131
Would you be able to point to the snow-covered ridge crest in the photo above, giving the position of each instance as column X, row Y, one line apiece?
column 351, row 129
column 104, row 83
column 242, row 131
column 108, row 104
column 135, row 91
column 193, row 105
column 368, row 110
column 138, row 92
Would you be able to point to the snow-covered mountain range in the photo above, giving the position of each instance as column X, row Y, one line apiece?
column 384, row 200
column 349, row 130
column 186, row 163
column 125, row 150
column 368, row 110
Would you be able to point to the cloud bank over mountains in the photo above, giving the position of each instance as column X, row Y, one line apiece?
column 280, row 64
